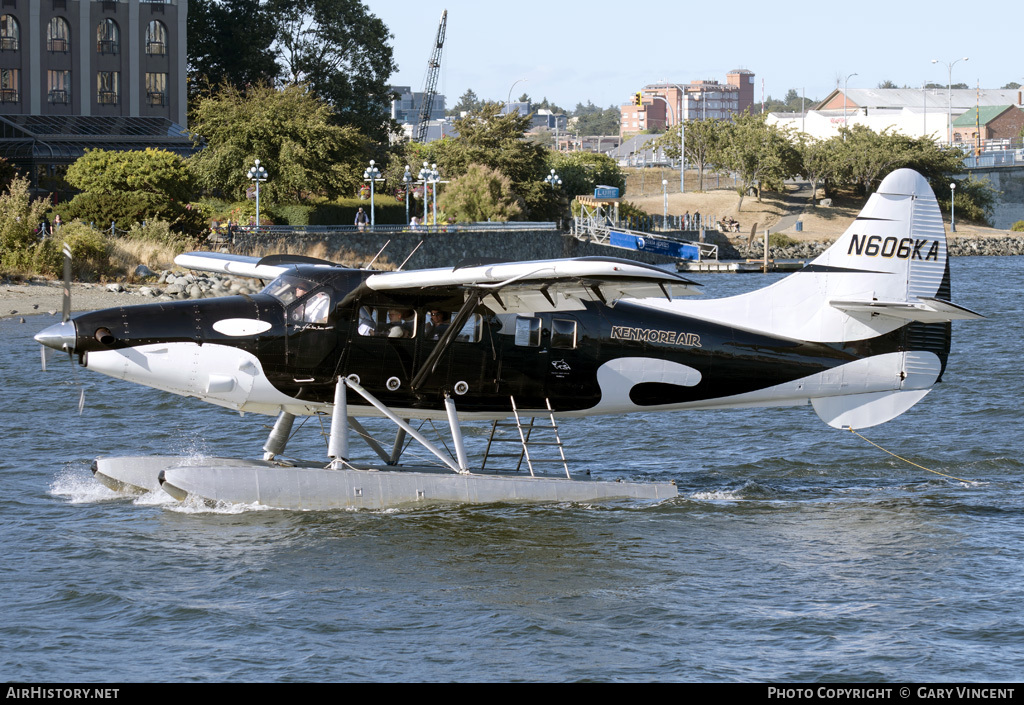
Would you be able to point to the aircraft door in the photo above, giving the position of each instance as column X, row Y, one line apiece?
column 571, row 371
column 311, row 334
column 382, row 348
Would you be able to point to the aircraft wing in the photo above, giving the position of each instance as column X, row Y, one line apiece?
column 269, row 267
column 237, row 265
column 543, row 285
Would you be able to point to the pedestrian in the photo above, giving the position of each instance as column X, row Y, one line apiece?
column 361, row 219
column 414, row 223
column 686, row 221
column 696, row 220
column 57, row 222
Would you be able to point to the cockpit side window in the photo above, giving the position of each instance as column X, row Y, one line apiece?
column 314, row 310
column 287, row 288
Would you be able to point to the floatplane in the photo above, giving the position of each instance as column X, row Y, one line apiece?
column 860, row 334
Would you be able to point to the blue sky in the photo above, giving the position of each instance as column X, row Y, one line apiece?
column 603, row 51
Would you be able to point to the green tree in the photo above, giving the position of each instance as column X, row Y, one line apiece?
column 479, row 195
column 468, row 103
column 704, row 145
column 343, row 52
column 819, row 161
column 760, row 154
column 498, row 141
column 592, row 120
column 132, row 186
column 229, row 43
column 582, row 171
column 293, row 135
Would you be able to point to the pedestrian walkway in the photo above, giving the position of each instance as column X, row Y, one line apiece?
column 796, row 202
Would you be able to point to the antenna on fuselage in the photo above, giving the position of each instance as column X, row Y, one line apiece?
column 409, row 257
column 377, row 255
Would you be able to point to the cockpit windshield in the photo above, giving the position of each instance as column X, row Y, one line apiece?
column 288, row 287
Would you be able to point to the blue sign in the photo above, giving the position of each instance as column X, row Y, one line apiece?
column 606, row 192
column 670, row 248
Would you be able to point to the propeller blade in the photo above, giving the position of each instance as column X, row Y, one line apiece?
column 42, row 354
column 67, row 283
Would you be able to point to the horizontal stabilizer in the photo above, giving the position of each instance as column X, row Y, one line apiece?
column 865, row 410
column 925, row 310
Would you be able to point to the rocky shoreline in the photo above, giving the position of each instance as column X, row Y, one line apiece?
column 958, row 247
column 36, row 297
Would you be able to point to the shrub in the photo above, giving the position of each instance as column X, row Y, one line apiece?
column 479, row 195
column 19, row 218
column 89, row 253
column 1018, row 227
column 130, row 187
column 780, row 240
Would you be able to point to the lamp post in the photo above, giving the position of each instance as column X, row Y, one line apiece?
column 372, row 175
column 846, row 85
column 508, row 103
column 554, row 179
column 430, row 175
column 406, row 179
column 664, row 193
column 682, row 141
column 424, row 175
column 949, row 96
column 256, row 175
column 952, row 206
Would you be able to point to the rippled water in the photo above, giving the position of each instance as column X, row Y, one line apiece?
column 794, row 551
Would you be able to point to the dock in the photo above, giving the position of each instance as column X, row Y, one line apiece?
column 738, row 266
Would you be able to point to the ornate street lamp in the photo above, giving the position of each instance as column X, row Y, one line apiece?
column 406, row 179
column 554, row 179
column 372, row 175
column 256, row 175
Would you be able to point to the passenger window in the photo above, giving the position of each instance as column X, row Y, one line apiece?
column 527, row 331
column 470, row 332
column 382, row 322
column 563, row 333
column 438, row 321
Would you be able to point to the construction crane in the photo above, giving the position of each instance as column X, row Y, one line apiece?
column 430, row 84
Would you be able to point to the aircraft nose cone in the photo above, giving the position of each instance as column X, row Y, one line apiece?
column 59, row 336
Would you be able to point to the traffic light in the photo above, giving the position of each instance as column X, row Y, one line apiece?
column 638, row 98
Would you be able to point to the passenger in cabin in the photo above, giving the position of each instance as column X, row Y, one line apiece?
column 367, row 322
column 401, row 323
column 317, row 308
column 437, row 323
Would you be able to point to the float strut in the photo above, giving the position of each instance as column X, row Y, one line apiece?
column 453, row 423
column 396, row 449
column 337, row 446
column 278, row 436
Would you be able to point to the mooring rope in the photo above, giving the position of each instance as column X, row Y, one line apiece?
column 936, row 472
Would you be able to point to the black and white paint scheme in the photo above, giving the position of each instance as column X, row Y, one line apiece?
column 861, row 334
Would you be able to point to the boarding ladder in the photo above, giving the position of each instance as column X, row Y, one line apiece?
column 531, row 434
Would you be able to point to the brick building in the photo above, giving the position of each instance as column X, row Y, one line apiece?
column 992, row 122
column 665, row 104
